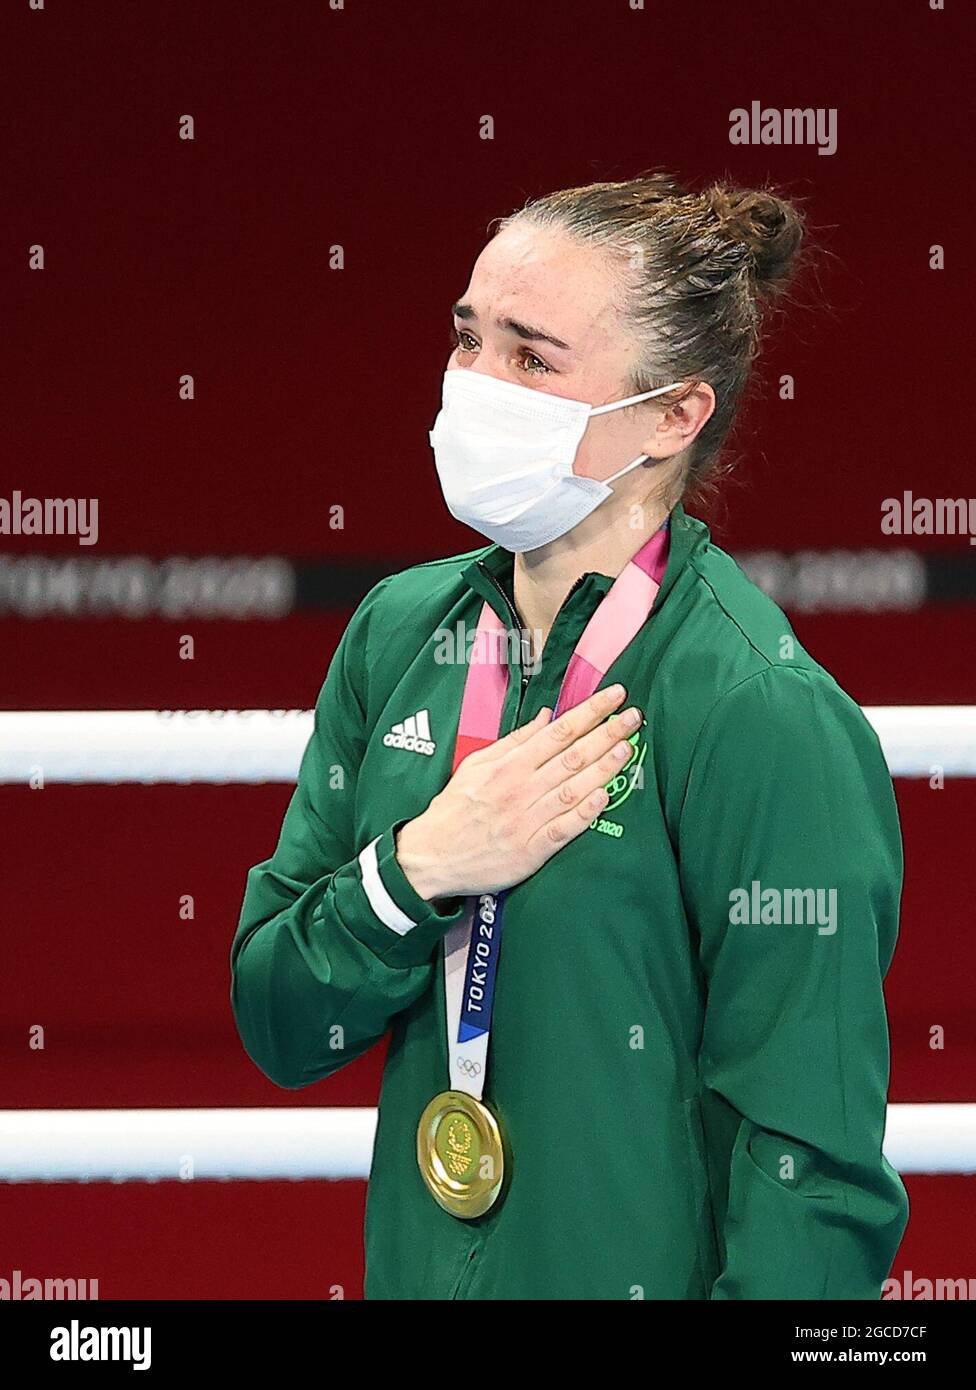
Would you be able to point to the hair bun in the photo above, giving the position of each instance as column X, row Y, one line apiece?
column 769, row 227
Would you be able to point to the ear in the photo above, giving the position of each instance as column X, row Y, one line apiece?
column 679, row 424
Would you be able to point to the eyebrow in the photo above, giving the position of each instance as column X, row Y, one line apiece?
column 523, row 330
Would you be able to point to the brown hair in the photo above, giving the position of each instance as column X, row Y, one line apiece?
column 698, row 270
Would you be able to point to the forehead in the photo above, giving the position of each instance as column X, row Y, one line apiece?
column 546, row 277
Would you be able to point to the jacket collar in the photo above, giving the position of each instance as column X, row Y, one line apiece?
column 491, row 569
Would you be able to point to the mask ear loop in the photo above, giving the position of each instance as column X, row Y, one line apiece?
column 631, row 400
column 620, row 473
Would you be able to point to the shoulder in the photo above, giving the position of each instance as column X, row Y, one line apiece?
column 426, row 590
column 397, row 618
column 735, row 668
column 729, row 611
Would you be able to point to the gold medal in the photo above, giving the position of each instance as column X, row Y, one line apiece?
column 459, row 1150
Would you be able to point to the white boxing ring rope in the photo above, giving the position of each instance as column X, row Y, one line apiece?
column 301, row 1143
column 251, row 746
column 262, row 745
column 154, row 1145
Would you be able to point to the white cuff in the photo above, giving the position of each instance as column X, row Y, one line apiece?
column 379, row 899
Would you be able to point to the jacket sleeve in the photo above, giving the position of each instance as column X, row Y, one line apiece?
column 788, row 790
column 332, row 939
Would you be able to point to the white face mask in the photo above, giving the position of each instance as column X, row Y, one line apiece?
column 504, row 455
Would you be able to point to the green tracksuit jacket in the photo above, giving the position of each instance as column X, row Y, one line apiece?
column 689, row 1052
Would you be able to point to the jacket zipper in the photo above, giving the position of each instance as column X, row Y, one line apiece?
column 464, row 1278
column 525, row 645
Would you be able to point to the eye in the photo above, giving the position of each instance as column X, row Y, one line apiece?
column 533, row 364
column 463, row 341
column 528, row 362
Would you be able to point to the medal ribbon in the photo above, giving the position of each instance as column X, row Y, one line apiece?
column 472, row 948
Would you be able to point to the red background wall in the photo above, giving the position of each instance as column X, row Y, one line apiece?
column 316, row 387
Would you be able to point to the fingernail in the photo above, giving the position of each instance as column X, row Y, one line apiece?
column 616, row 691
column 631, row 717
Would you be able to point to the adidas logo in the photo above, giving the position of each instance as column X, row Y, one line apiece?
column 413, row 735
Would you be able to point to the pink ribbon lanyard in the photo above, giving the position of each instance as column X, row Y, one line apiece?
column 614, row 625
